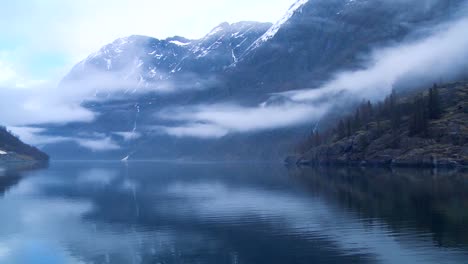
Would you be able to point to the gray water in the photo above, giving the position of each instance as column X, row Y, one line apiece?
column 143, row 212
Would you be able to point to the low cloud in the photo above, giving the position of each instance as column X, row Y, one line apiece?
column 195, row 130
column 34, row 135
column 36, row 102
column 99, row 144
column 37, row 136
column 439, row 57
column 128, row 136
column 41, row 104
column 219, row 120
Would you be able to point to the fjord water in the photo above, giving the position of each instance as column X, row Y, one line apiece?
column 149, row 212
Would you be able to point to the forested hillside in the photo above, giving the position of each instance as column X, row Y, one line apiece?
column 13, row 149
column 428, row 128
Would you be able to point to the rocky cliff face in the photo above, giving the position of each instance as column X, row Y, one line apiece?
column 445, row 145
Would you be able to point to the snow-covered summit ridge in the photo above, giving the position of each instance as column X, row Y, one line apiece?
column 124, row 44
column 150, row 60
column 230, row 38
column 224, row 30
column 276, row 27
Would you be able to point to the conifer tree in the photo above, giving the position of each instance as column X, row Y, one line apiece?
column 357, row 120
column 317, row 139
column 419, row 119
column 434, row 107
column 349, row 129
column 395, row 112
column 341, row 130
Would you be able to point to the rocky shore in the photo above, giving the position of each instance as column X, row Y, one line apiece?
column 12, row 157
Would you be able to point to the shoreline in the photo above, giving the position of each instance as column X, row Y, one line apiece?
column 302, row 162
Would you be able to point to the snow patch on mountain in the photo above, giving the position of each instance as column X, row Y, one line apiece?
column 276, row 27
column 216, row 30
column 179, row 43
column 234, row 58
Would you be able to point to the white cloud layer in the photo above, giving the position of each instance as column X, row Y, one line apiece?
column 95, row 142
column 219, row 120
column 42, row 104
column 440, row 57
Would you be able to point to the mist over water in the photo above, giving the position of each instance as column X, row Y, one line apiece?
column 143, row 212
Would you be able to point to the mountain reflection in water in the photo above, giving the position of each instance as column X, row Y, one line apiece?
column 143, row 212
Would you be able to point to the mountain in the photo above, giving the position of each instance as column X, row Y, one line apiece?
column 14, row 150
column 417, row 129
column 136, row 78
column 142, row 62
column 318, row 38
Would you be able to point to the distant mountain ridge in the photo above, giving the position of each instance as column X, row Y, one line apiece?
column 140, row 61
column 244, row 62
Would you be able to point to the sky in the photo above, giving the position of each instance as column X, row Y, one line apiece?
column 41, row 40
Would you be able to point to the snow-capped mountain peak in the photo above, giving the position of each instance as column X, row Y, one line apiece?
column 149, row 61
column 276, row 27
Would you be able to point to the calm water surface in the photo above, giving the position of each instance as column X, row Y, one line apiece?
column 146, row 212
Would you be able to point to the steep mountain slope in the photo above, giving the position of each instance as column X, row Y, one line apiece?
column 317, row 38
